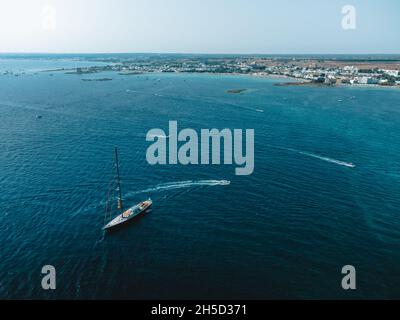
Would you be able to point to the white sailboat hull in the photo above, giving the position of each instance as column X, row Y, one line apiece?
column 129, row 214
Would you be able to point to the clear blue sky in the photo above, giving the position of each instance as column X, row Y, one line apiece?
column 198, row 26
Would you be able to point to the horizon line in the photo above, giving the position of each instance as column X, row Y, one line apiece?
column 194, row 53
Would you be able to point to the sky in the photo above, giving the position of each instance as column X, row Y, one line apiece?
column 198, row 26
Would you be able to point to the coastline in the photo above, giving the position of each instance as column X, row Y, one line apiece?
column 292, row 81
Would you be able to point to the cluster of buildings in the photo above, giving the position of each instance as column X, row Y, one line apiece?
column 338, row 75
column 322, row 72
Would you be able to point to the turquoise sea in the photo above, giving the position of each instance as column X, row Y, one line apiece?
column 285, row 231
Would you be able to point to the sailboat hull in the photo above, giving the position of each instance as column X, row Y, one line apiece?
column 129, row 214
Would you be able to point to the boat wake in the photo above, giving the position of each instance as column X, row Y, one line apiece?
column 338, row 162
column 316, row 156
column 180, row 185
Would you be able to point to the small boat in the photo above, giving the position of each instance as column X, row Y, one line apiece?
column 128, row 214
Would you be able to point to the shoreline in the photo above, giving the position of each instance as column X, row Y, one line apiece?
column 293, row 81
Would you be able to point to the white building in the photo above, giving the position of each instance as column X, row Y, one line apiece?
column 350, row 69
column 393, row 73
column 368, row 80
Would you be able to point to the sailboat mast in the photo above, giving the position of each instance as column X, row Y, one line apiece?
column 118, row 181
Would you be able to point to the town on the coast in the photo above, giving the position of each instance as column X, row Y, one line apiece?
column 359, row 70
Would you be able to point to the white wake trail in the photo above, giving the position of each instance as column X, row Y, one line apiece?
column 338, row 162
column 180, row 185
column 316, row 156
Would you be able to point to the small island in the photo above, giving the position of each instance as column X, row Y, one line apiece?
column 236, row 91
column 100, row 79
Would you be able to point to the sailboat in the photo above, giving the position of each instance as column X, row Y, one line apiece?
column 125, row 215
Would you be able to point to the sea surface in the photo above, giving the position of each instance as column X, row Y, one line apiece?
column 325, row 191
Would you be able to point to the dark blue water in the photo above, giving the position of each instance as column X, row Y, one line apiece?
column 283, row 232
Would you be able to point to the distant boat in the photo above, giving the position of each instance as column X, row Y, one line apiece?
column 128, row 214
